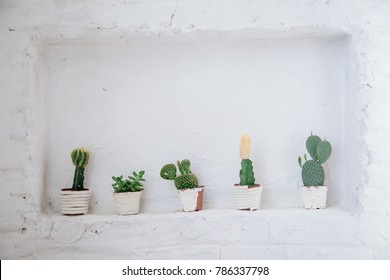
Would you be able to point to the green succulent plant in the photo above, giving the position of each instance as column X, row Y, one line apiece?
column 313, row 173
column 131, row 184
column 186, row 180
column 80, row 157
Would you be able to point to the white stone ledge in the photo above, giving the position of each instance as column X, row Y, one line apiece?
column 296, row 252
column 330, row 226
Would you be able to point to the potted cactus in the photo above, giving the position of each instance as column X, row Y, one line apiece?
column 75, row 200
column 314, row 192
column 127, row 193
column 190, row 193
column 247, row 194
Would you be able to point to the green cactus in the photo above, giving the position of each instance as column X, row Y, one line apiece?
column 186, row 166
column 312, row 171
column 80, row 159
column 247, row 176
column 168, row 172
column 311, row 145
column 186, row 180
column 324, row 149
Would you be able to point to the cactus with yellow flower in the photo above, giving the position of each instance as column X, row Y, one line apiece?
column 247, row 176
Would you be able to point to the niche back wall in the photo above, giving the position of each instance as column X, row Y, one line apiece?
column 152, row 100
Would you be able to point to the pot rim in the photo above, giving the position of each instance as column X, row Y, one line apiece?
column 71, row 190
column 249, row 187
column 123, row 193
column 182, row 190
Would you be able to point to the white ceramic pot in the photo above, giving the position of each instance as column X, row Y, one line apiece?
column 247, row 197
column 191, row 199
column 314, row 197
column 127, row 203
column 74, row 202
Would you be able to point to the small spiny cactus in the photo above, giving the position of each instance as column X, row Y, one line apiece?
column 313, row 173
column 186, row 180
column 80, row 157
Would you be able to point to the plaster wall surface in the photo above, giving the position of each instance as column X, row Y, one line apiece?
column 61, row 56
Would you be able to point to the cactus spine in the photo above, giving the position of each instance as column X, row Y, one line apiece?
column 313, row 173
column 186, row 180
column 80, row 157
column 247, row 176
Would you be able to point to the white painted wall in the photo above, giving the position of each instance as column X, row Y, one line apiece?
column 72, row 71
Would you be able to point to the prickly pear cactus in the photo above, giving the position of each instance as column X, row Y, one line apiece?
column 247, row 176
column 324, row 149
column 186, row 180
column 312, row 171
column 311, row 145
column 80, row 159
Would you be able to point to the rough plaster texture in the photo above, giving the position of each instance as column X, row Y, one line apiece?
column 354, row 79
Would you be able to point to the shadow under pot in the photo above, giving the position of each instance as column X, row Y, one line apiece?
column 191, row 199
column 74, row 202
column 247, row 197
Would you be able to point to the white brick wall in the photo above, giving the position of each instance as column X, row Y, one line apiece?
column 271, row 233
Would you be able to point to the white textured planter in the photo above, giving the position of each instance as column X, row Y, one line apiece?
column 314, row 197
column 74, row 202
column 247, row 197
column 191, row 199
column 127, row 203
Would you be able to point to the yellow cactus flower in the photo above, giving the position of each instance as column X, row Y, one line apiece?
column 245, row 146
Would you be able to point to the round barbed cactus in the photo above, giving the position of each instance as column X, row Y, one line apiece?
column 186, row 180
column 168, row 172
column 312, row 171
column 80, row 158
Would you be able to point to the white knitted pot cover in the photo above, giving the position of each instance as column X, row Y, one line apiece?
column 75, row 202
column 314, row 197
column 127, row 203
column 247, row 198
